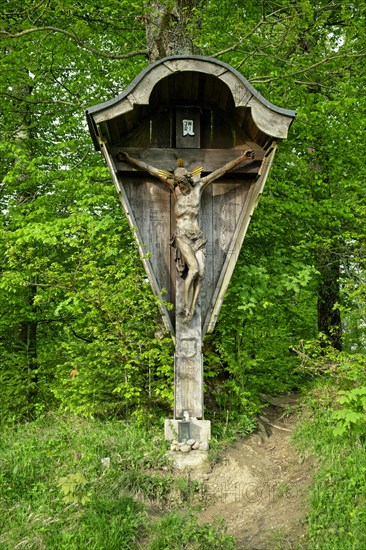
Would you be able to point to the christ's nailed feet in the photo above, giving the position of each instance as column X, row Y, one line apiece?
column 188, row 315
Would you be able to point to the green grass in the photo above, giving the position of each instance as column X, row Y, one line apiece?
column 55, row 491
column 176, row 531
column 337, row 507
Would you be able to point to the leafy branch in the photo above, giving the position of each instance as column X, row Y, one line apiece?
column 75, row 39
column 264, row 79
column 268, row 78
column 235, row 46
column 265, row 20
column 25, row 11
column 40, row 101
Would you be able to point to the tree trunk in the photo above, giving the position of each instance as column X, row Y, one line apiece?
column 25, row 342
column 25, row 333
column 329, row 317
column 328, row 264
column 167, row 29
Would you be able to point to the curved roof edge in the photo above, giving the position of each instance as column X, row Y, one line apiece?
column 222, row 70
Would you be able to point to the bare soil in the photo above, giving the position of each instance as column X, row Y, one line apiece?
column 260, row 486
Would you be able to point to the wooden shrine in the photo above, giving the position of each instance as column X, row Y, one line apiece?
column 183, row 119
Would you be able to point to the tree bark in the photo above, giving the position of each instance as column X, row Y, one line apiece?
column 167, row 29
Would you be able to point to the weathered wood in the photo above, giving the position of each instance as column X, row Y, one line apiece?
column 269, row 118
column 138, row 137
column 206, row 129
column 223, row 134
column 210, row 159
column 205, row 112
column 206, row 222
column 224, row 216
column 187, row 128
column 268, row 121
column 222, row 204
column 135, row 227
column 188, row 361
column 160, row 130
column 194, row 64
column 149, row 203
column 223, row 274
column 241, row 94
column 249, row 205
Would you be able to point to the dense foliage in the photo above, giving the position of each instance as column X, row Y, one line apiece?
column 337, row 507
column 79, row 327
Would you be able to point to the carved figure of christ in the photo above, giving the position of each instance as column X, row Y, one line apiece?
column 188, row 238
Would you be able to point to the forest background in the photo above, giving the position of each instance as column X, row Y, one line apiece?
column 79, row 327
column 80, row 330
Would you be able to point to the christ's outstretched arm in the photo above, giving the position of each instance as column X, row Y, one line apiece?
column 247, row 156
column 147, row 168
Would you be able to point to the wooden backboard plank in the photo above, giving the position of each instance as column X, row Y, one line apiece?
column 250, row 203
column 139, row 238
column 206, row 223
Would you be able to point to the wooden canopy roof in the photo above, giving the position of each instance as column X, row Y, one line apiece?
column 229, row 116
column 195, row 80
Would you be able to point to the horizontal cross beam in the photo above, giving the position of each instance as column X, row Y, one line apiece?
column 210, row 159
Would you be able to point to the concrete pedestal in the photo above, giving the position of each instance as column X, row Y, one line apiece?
column 200, row 430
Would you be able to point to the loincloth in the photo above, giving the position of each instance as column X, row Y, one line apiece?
column 194, row 239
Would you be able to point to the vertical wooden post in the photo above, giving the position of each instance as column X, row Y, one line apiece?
column 188, row 360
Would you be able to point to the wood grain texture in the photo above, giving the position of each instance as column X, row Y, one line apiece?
column 149, row 202
column 128, row 196
column 222, row 215
column 206, row 223
column 188, row 362
column 210, row 159
column 193, row 80
column 250, row 202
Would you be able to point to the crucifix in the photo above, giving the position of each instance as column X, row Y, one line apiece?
column 188, row 239
column 190, row 257
column 189, row 222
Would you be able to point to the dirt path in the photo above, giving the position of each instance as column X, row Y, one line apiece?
column 260, row 487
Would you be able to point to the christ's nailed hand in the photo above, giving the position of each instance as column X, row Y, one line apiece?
column 249, row 154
